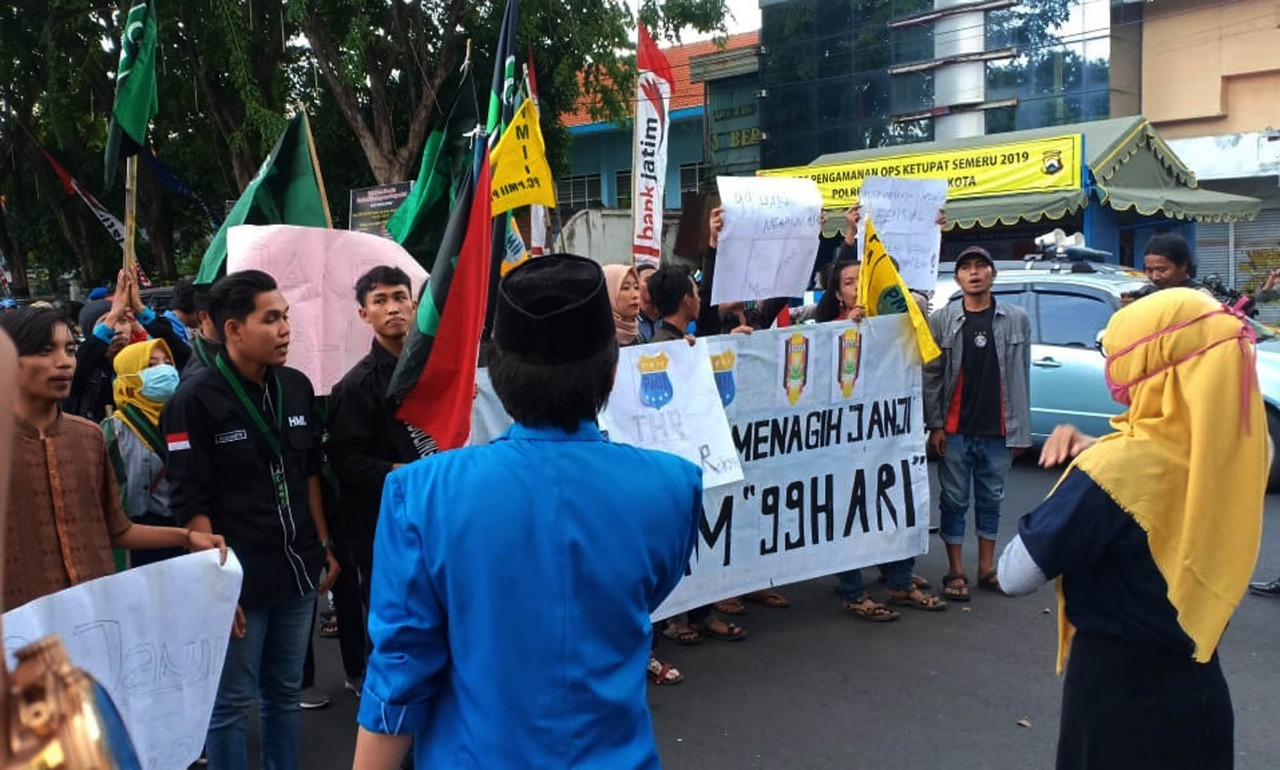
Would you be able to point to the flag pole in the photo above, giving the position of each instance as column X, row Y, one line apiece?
column 315, row 165
column 130, row 210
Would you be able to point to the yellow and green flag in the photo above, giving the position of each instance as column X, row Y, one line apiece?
column 882, row 291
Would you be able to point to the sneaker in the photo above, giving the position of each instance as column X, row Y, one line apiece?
column 355, row 685
column 314, row 698
column 203, row 761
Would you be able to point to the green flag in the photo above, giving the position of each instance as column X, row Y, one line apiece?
column 419, row 223
column 287, row 190
column 136, row 102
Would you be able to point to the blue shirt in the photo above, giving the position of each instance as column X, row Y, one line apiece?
column 1110, row 581
column 511, row 596
column 647, row 327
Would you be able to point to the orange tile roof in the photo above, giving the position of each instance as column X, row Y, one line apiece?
column 683, row 93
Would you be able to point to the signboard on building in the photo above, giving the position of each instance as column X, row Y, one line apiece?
column 371, row 207
column 733, row 125
column 1042, row 165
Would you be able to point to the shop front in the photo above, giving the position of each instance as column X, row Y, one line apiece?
column 1115, row 181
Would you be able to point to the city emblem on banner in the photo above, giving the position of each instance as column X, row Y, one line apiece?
column 722, row 366
column 795, row 370
column 1051, row 162
column 656, row 390
column 848, row 359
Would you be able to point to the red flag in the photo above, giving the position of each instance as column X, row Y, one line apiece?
column 440, row 402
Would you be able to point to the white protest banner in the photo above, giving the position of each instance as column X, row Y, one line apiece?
column 906, row 215
column 770, row 238
column 828, row 424
column 665, row 397
column 644, row 409
column 154, row 637
column 317, row 270
column 828, row 421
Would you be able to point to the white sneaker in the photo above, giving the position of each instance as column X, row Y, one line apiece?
column 355, row 685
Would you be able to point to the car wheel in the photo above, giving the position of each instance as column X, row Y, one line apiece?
column 1273, row 430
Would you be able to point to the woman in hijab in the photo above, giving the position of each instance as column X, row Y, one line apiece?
column 1152, row 534
column 145, row 379
column 623, row 284
column 624, row 294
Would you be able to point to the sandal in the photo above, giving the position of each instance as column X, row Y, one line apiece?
column 769, row 598
column 919, row 581
column 990, row 582
column 733, row 606
column 870, row 610
column 663, row 673
column 732, row 633
column 682, row 634
column 953, row 592
column 920, row 600
column 329, row 627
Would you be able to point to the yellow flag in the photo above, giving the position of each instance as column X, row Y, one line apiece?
column 882, row 291
column 521, row 176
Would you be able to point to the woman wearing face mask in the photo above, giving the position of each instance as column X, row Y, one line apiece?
column 145, row 379
column 1153, row 533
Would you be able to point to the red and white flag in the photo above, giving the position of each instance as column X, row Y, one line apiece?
column 649, row 159
column 71, row 185
column 537, row 212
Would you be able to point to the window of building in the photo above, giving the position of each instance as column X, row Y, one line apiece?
column 692, row 175
column 579, row 192
column 622, row 180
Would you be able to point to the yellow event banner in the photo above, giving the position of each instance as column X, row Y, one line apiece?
column 1042, row 165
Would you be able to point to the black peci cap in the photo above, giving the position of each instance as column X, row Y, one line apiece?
column 553, row 310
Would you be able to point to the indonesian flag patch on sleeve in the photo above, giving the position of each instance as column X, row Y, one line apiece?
column 178, row 441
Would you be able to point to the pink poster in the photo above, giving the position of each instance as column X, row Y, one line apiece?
column 317, row 271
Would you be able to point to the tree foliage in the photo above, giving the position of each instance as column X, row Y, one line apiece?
column 374, row 76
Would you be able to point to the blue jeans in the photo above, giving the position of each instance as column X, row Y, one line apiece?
column 264, row 667
column 897, row 574
column 980, row 462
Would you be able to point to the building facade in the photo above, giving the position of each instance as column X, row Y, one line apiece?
column 847, row 75
column 1211, row 84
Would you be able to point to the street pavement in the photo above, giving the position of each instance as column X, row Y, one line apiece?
column 814, row 688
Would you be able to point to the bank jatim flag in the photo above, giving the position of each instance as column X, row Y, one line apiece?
column 649, row 157
column 882, row 291
column 521, row 174
column 136, row 101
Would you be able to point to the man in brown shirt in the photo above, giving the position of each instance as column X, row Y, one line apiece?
column 65, row 512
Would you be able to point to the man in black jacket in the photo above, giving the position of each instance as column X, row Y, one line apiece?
column 366, row 441
column 244, row 462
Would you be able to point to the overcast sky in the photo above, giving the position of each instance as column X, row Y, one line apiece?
column 744, row 16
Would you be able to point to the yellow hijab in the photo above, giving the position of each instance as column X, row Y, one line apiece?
column 1188, row 460
column 127, row 387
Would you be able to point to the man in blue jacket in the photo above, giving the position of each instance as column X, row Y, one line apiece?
column 513, row 582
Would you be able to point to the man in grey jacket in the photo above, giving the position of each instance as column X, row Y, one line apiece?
column 978, row 410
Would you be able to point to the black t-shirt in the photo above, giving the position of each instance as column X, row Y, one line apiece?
column 981, row 400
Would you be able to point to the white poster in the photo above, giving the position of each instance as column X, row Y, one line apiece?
column 154, row 637
column 317, row 270
column 828, row 425
column 665, row 397
column 905, row 212
column 769, row 240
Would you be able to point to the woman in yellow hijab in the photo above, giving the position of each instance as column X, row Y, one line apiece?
column 145, row 379
column 1152, row 534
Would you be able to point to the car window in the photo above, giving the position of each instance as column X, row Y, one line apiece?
column 1071, row 320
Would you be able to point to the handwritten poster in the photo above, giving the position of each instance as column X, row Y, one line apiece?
column 154, row 637
column 317, row 270
column 644, row 409
column 770, row 238
column 906, row 215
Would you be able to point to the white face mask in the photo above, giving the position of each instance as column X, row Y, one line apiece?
column 158, row 382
